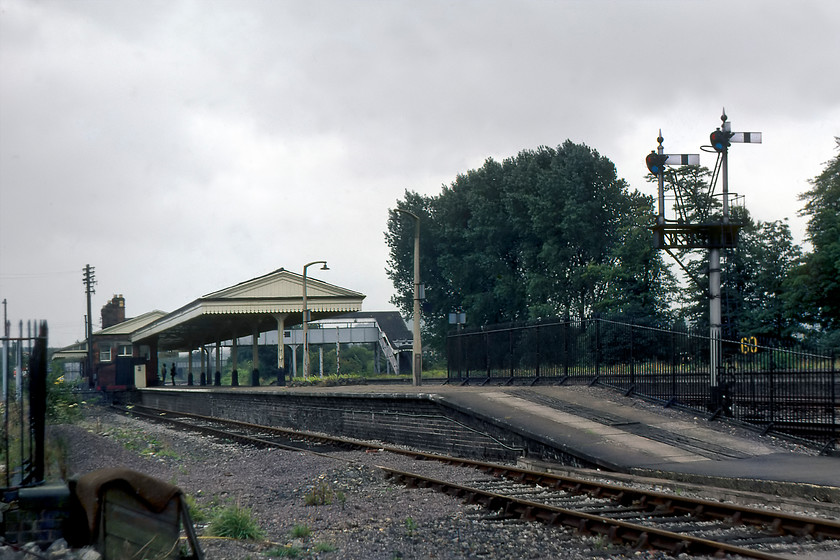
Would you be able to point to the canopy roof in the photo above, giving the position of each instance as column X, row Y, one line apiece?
column 243, row 309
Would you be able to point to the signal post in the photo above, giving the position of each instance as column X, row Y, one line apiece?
column 715, row 235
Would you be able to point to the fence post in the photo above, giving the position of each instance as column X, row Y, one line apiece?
column 487, row 352
column 772, row 389
column 448, row 357
column 673, row 365
column 460, row 350
column 38, row 402
column 834, row 396
column 510, row 348
column 566, row 325
column 632, row 357
column 597, row 348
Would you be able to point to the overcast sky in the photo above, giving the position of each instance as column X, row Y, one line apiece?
column 180, row 147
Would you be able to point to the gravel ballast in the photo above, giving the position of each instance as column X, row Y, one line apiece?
column 369, row 517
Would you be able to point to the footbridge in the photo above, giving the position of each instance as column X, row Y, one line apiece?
column 386, row 330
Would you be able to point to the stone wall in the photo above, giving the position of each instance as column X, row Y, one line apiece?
column 417, row 421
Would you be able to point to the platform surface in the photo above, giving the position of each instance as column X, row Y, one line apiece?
column 625, row 434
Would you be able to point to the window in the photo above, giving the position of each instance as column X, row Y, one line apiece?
column 125, row 350
column 105, row 353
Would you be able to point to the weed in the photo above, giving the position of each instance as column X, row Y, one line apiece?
column 323, row 494
column 601, row 542
column 324, row 547
column 410, row 526
column 235, row 522
column 144, row 444
column 300, row 532
column 284, row 552
column 197, row 513
column 62, row 405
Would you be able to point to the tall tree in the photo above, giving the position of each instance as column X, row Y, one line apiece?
column 548, row 232
column 753, row 281
column 814, row 288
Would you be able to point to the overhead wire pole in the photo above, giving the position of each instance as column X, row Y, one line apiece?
column 5, row 361
column 89, row 280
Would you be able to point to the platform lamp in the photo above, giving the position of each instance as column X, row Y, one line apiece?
column 306, row 318
column 417, row 350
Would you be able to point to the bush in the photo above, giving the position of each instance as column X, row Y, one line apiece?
column 62, row 405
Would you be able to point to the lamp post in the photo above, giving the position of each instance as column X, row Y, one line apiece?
column 306, row 318
column 417, row 350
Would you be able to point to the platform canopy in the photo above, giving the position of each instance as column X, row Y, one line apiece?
column 251, row 307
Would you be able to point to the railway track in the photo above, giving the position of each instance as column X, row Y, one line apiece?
column 638, row 518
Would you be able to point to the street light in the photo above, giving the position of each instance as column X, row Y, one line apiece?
column 306, row 318
column 417, row 350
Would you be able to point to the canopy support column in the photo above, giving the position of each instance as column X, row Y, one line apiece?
column 189, row 367
column 255, row 347
column 234, row 374
column 217, row 380
column 281, row 355
column 201, row 378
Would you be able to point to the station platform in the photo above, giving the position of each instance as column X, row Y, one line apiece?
column 621, row 434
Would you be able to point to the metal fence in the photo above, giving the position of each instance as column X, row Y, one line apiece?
column 780, row 390
column 24, row 379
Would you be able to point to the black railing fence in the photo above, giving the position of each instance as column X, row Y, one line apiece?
column 24, row 398
column 780, row 390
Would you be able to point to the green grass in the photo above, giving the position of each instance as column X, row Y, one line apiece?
column 62, row 404
column 197, row 513
column 300, row 532
column 324, row 547
column 142, row 443
column 234, row 522
column 284, row 552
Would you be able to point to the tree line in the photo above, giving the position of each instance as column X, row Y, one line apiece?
column 554, row 232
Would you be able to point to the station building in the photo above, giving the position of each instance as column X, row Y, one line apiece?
column 131, row 352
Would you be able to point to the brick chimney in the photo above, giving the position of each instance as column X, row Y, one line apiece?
column 113, row 312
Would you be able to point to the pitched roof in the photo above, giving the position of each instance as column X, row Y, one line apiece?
column 248, row 307
column 78, row 350
column 128, row 326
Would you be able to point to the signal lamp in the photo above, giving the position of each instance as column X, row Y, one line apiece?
column 655, row 162
column 720, row 140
